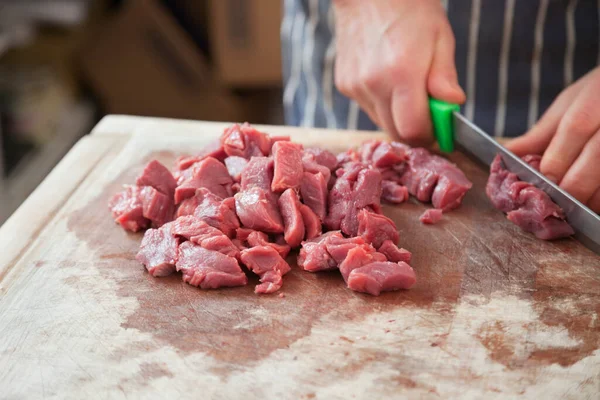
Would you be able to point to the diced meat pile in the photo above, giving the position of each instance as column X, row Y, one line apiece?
column 247, row 200
column 527, row 206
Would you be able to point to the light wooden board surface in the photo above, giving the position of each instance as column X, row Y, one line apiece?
column 495, row 313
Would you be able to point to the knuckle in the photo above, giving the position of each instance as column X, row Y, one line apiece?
column 582, row 121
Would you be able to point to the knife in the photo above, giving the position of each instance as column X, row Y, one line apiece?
column 452, row 128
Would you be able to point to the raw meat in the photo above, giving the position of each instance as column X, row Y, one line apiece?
column 527, row 206
column 245, row 141
column 199, row 232
column 208, row 269
column 394, row 253
column 392, row 192
column 379, row 277
column 235, row 165
column 156, row 206
column 312, row 223
column 314, row 193
column 288, row 169
column 356, row 258
column 386, row 155
column 289, row 206
column 159, row 177
column 433, row 178
column 431, row 216
column 213, row 210
column 210, row 174
column 257, row 210
column 258, row 173
column 310, row 164
column 266, row 262
column 376, row 228
column 256, row 238
column 158, row 251
column 314, row 256
column 127, row 209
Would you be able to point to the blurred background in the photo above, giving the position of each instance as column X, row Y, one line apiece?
column 64, row 64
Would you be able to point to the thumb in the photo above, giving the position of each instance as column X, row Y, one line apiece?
column 442, row 82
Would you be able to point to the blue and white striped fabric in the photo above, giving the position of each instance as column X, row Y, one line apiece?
column 513, row 58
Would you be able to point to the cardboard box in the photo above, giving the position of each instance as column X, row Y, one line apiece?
column 143, row 63
column 245, row 41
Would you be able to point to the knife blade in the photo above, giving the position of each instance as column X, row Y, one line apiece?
column 483, row 147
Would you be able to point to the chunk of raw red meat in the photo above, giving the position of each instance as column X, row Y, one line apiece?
column 433, row 178
column 183, row 164
column 127, row 209
column 310, row 164
column 157, row 207
column 356, row 188
column 210, row 174
column 376, row 228
column 289, row 206
column 208, row 269
column 314, row 256
column 527, row 206
column 357, row 257
column 380, row 277
column 312, row 223
column 192, row 228
column 210, row 208
column 159, row 177
column 280, row 138
column 338, row 246
column 394, row 253
column 385, row 155
column 245, row 141
column 243, row 233
column 265, row 262
column 314, row 193
column 235, row 165
column 257, row 210
column 288, row 169
column 158, row 251
column 256, row 238
column 431, row 216
column 323, row 157
column 393, row 192
column 258, row 173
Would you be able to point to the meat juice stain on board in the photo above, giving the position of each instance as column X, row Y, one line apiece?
column 237, row 327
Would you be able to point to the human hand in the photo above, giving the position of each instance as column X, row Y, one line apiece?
column 568, row 136
column 392, row 54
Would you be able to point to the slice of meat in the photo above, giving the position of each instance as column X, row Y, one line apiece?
column 376, row 228
column 314, row 256
column 367, row 149
column 356, row 258
column 280, row 138
column 386, row 155
column 394, row 253
column 527, row 206
column 159, row 177
column 127, row 209
column 183, row 164
column 314, row 193
column 235, row 165
column 220, row 243
column 258, row 173
column 288, row 169
column 431, row 216
column 265, row 262
column 392, row 192
column 339, row 246
column 257, row 210
column 289, row 206
column 312, row 223
column 208, row 269
column 245, row 141
column 323, row 157
column 197, row 231
column 256, row 238
column 157, row 207
column 158, row 251
column 433, row 178
column 210, row 174
column 210, row 208
column 310, row 164
column 243, row 233
column 380, row 277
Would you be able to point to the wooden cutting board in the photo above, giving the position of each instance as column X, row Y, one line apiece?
column 495, row 312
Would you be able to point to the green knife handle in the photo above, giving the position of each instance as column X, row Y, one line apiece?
column 443, row 123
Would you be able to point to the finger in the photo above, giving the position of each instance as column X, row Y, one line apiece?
column 442, row 81
column 594, row 202
column 582, row 179
column 384, row 112
column 411, row 115
column 539, row 136
column 579, row 124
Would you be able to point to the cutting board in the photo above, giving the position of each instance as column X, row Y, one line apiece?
column 496, row 313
